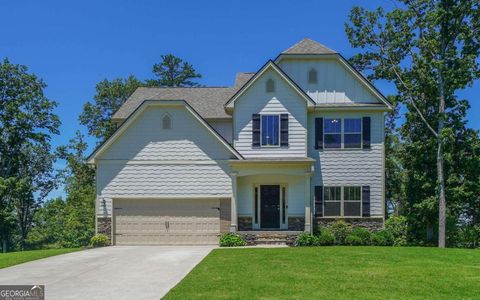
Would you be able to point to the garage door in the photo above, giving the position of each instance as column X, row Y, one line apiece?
column 166, row 221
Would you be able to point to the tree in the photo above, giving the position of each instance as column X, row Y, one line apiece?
column 27, row 123
column 429, row 49
column 108, row 99
column 172, row 71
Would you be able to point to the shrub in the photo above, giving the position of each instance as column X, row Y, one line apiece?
column 341, row 230
column 353, row 240
column 364, row 234
column 99, row 240
column 306, row 239
column 231, row 240
column 326, row 237
column 382, row 238
column 397, row 225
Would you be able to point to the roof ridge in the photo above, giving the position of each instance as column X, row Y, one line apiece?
column 308, row 46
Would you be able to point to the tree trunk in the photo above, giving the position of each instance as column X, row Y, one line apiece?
column 440, row 165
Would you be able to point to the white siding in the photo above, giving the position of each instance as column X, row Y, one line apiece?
column 224, row 128
column 335, row 83
column 147, row 161
column 340, row 167
column 283, row 100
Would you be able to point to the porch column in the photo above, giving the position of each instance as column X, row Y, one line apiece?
column 233, row 205
column 308, row 201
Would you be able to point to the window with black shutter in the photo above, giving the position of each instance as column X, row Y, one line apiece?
column 256, row 130
column 366, row 201
column 318, row 133
column 366, row 132
column 318, row 201
column 284, row 130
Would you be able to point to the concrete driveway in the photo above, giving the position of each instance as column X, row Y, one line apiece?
column 119, row 272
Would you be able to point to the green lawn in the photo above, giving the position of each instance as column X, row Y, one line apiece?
column 334, row 273
column 15, row 258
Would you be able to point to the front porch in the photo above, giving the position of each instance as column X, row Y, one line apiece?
column 271, row 196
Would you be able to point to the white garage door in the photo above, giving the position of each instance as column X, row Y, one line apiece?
column 166, row 221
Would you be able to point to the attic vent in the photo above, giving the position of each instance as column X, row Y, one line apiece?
column 167, row 122
column 312, row 76
column 270, row 86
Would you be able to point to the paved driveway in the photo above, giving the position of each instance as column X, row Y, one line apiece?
column 120, row 272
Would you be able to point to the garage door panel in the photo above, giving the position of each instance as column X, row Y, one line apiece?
column 166, row 221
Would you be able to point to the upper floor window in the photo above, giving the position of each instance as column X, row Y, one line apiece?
column 349, row 137
column 270, row 86
column 270, row 127
column 166, row 122
column 312, row 76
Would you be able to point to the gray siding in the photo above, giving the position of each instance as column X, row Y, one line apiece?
column 352, row 166
column 147, row 161
column 224, row 128
column 283, row 100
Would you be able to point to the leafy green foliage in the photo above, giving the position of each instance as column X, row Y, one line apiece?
column 364, row 234
column 326, row 237
column 231, row 240
column 100, row 240
column 397, row 225
column 382, row 238
column 353, row 240
column 27, row 123
column 306, row 239
column 172, row 71
column 340, row 230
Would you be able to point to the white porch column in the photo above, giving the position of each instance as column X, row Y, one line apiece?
column 308, row 202
column 233, row 205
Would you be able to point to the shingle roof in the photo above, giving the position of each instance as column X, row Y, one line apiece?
column 207, row 101
column 308, row 46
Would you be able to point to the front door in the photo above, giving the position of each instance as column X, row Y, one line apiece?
column 270, row 206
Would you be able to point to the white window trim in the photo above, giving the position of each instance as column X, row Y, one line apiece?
column 279, row 132
column 342, row 201
column 257, row 186
column 342, row 134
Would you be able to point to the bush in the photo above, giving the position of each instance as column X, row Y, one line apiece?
column 397, row 225
column 353, row 240
column 341, row 230
column 99, row 240
column 306, row 239
column 364, row 234
column 231, row 240
column 382, row 238
column 326, row 238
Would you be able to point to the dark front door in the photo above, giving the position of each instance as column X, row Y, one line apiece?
column 270, row 206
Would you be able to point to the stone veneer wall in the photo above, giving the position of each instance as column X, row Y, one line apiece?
column 269, row 237
column 373, row 224
column 296, row 223
column 244, row 223
column 104, row 226
column 225, row 215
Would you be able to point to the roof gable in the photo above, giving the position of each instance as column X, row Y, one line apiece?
column 145, row 104
column 270, row 65
column 308, row 46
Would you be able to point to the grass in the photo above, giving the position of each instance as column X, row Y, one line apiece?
column 15, row 258
column 334, row 273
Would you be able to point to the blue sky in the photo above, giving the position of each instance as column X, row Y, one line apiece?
column 73, row 45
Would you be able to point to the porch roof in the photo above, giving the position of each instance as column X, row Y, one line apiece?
column 273, row 161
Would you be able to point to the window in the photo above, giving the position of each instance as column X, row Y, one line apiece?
column 270, row 126
column 352, row 201
column 347, row 204
column 270, row 86
column 312, row 76
column 333, row 133
column 352, row 134
column 166, row 122
column 349, row 137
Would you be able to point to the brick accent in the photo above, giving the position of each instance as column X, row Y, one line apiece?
column 373, row 224
column 244, row 223
column 225, row 215
column 296, row 223
column 104, row 226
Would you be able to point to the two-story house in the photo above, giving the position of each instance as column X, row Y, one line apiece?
column 296, row 144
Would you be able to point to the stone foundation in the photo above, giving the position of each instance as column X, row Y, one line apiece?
column 244, row 223
column 269, row 238
column 373, row 224
column 296, row 223
column 104, row 226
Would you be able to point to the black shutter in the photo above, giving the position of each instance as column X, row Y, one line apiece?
column 318, row 201
column 284, row 130
column 318, row 133
column 256, row 130
column 366, row 132
column 366, row 201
